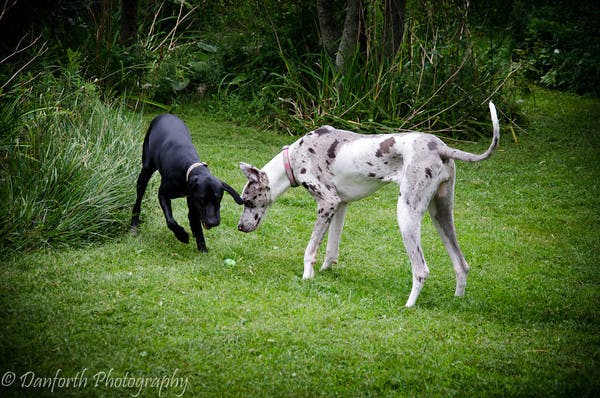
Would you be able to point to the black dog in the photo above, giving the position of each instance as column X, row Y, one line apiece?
column 168, row 148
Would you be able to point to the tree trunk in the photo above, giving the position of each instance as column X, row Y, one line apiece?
column 330, row 31
column 393, row 28
column 128, row 21
column 350, row 35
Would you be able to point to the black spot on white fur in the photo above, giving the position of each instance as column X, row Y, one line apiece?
column 385, row 146
column 322, row 130
column 331, row 150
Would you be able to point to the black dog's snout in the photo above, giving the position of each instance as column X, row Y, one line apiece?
column 210, row 221
column 209, row 225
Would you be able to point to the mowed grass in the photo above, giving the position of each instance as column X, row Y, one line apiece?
column 147, row 306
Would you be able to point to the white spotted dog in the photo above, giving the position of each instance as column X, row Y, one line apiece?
column 338, row 167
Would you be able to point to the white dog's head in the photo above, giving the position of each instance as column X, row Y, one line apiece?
column 256, row 197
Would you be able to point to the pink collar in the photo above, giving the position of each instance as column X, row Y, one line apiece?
column 288, row 166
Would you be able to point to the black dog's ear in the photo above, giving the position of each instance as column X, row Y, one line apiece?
column 233, row 193
column 193, row 182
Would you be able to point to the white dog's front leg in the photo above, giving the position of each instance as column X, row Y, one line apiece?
column 324, row 215
column 335, row 233
column 309, row 262
column 310, row 254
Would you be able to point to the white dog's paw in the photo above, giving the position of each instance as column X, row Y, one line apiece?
column 327, row 264
column 308, row 274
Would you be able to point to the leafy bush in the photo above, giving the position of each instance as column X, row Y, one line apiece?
column 168, row 58
column 436, row 82
column 68, row 163
column 557, row 44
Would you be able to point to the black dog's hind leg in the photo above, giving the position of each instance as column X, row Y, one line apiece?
column 142, row 183
column 165, row 204
column 196, row 225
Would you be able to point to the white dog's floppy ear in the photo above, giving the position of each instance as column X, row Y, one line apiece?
column 251, row 172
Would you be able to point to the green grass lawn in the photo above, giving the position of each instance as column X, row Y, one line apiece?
column 148, row 309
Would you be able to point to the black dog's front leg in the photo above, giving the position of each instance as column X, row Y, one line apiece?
column 165, row 204
column 196, row 225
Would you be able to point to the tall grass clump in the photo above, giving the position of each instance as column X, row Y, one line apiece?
column 438, row 80
column 68, row 163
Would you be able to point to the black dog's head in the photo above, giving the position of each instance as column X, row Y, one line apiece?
column 206, row 192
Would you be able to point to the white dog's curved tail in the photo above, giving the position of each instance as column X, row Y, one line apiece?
column 446, row 152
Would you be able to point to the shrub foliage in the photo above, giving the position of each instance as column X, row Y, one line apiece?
column 68, row 164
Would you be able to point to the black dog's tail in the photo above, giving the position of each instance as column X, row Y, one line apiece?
column 446, row 152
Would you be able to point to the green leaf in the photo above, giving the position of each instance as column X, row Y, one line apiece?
column 209, row 48
column 178, row 85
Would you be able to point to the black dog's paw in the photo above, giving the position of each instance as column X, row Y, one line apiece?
column 135, row 222
column 181, row 235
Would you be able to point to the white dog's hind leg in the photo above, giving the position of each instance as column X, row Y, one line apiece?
column 441, row 210
column 335, row 233
column 414, row 198
column 410, row 225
